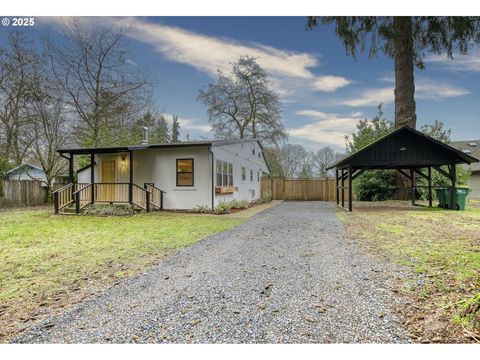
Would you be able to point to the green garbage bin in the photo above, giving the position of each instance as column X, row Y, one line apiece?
column 442, row 193
column 462, row 196
column 445, row 200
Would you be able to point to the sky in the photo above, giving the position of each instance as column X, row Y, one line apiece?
column 323, row 92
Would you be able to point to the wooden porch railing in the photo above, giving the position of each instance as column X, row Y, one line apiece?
column 63, row 196
column 141, row 197
column 111, row 192
column 82, row 195
column 156, row 195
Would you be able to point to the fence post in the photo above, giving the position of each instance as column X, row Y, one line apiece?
column 161, row 200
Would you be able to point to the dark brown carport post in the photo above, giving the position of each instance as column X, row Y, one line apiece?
column 350, row 180
column 453, row 192
column 336, row 187
column 430, row 186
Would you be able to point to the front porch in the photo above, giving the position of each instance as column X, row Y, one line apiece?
column 114, row 185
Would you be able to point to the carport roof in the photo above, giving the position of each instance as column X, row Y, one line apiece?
column 404, row 148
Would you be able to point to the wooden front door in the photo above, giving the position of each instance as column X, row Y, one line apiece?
column 108, row 178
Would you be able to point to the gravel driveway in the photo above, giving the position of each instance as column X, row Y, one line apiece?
column 288, row 275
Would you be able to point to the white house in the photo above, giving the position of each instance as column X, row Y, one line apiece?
column 177, row 175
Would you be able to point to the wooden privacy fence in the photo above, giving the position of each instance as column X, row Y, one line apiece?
column 321, row 189
column 23, row 193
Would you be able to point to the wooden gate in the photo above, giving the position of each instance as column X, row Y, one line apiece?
column 320, row 189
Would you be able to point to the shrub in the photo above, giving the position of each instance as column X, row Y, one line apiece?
column 375, row 185
column 108, row 210
column 222, row 208
column 266, row 197
column 201, row 209
column 244, row 204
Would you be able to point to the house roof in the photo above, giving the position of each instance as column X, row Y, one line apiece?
column 23, row 166
column 470, row 147
column 106, row 150
column 385, row 152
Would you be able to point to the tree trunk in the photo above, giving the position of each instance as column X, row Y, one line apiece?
column 404, row 68
column 404, row 87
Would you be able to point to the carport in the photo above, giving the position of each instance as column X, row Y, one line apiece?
column 407, row 151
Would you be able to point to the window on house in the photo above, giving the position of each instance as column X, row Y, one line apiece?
column 259, row 154
column 258, row 176
column 184, row 172
column 219, row 173
column 251, row 175
column 253, row 151
column 244, row 174
column 224, row 173
column 230, row 174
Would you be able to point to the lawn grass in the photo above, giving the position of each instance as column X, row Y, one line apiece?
column 441, row 247
column 49, row 261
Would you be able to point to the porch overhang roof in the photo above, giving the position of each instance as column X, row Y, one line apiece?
column 120, row 149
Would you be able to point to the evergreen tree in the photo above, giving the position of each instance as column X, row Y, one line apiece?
column 175, row 129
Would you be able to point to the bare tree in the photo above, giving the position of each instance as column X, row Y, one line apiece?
column 19, row 64
column 292, row 159
column 241, row 104
column 50, row 133
column 91, row 69
column 322, row 159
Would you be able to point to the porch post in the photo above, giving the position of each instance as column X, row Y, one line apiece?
column 70, row 169
column 430, row 186
column 350, row 187
column 453, row 193
column 130, row 182
column 92, row 175
column 70, row 174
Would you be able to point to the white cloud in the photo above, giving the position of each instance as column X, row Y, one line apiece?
column 290, row 71
column 371, row 97
column 330, row 83
column 326, row 128
column 190, row 124
column 434, row 90
column 468, row 62
column 424, row 89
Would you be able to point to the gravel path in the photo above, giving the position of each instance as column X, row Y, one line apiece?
column 288, row 275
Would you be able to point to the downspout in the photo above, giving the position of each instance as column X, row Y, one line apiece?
column 213, row 183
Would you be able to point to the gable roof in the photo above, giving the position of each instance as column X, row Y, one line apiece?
column 19, row 167
column 460, row 156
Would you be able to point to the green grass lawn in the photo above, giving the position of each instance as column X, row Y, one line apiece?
column 441, row 246
column 49, row 261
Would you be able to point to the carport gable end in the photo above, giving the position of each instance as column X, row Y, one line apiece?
column 403, row 149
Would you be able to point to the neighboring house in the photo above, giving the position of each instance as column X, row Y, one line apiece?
column 471, row 147
column 31, row 172
column 190, row 174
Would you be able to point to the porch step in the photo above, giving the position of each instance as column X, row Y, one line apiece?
column 67, row 210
